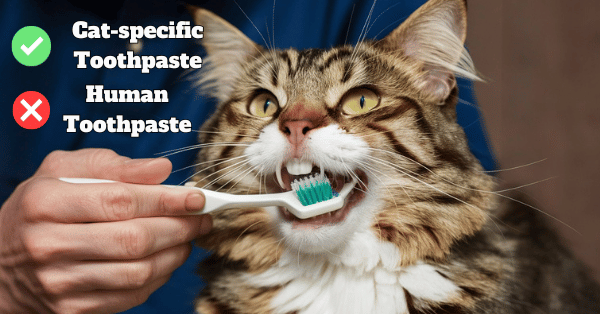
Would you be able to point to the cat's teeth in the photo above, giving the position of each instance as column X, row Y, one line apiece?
column 298, row 167
column 278, row 174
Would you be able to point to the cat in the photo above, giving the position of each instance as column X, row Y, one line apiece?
column 423, row 231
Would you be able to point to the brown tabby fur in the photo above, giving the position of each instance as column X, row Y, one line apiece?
column 438, row 206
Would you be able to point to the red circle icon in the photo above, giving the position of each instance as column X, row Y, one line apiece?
column 31, row 110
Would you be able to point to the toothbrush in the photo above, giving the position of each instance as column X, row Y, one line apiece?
column 310, row 197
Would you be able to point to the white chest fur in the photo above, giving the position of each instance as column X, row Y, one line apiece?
column 361, row 279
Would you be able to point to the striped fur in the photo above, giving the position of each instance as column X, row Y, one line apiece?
column 429, row 234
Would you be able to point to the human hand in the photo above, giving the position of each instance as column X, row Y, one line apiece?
column 93, row 248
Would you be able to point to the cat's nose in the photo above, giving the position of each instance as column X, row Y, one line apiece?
column 296, row 131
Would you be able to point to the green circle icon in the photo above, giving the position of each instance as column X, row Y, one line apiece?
column 31, row 46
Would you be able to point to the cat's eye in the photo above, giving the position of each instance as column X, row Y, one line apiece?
column 358, row 101
column 263, row 105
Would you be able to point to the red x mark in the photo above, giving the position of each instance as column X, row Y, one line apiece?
column 31, row 110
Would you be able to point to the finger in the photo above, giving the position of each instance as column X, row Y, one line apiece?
column 107, row 301
column 53, row 200
column 124, row 240
column 104, row 164
column 111, row 275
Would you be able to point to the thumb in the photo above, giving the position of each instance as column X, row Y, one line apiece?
column 104, row 164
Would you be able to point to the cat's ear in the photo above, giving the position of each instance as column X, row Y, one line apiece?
column 433, row 37
column 227, row 49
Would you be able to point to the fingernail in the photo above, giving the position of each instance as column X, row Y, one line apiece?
column 194, row 202
column 205, row 224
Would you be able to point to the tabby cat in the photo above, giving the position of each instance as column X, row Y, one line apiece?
column 423, row 231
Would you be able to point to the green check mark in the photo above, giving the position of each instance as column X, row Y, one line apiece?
column 31, row 46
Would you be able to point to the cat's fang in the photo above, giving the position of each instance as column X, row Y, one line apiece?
column 278, row 175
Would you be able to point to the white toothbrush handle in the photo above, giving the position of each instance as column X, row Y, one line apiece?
column 217, row 200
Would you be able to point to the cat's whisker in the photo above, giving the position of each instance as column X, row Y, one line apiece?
column 328, row 251
column 265, row 178
column 364, row 31
column 271, row 50
column 525, row 185
column 204, row 179
column 270, row 46
column 471, row 124
column 220, row 161
column 489, row 215
column 352, row 173
column 515, row 168
column 448, row 181
column 374, row 133
column 361, row 37
column 373, row 170
column 253, row 25
column 237, row 165
column 244, row 231
column 177, row 149
column 227, row 133
column 404, row 158
column 206, row 162
column 279, row 243
column 366, row 168
column 381, row 161
column 261, row 35
column 198, row 172
column 268, row 61
column 217, row 180
column 391, row 24
column 247, row 172
column 395, row 155
column 239, row 177
column 473, row 189
column 360, row 189
column 378, row 16
column 259, row 176
column 273, row 23
column 349, row 24
column 541, row 211
column 199, row 146
column 462, row 101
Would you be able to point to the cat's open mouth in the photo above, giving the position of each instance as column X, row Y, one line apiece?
column 285, row 177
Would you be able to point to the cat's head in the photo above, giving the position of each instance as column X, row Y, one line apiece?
column 382, row 111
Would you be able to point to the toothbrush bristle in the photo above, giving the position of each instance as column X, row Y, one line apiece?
column 313, row 189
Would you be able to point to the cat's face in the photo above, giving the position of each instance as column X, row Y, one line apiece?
column 381, row 112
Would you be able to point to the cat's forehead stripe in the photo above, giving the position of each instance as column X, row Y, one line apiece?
column 307, row 58
column 286, row 58
column 334, row 56
column 347, row 72
column 302, row 68
column 323, row 76
column 275, row 74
